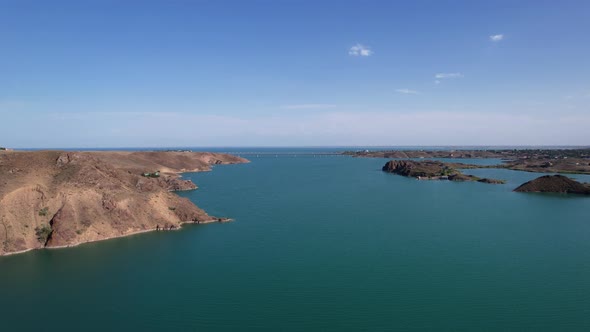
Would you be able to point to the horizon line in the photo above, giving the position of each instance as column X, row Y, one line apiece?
column 304, row 146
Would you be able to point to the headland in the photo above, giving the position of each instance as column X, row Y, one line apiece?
column 56, row 198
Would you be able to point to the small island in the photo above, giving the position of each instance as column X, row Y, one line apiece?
column 555, row 184
column 433, row 170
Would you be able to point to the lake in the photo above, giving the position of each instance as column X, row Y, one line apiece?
column 324, row 242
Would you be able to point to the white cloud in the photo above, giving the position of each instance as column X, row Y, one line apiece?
column 360, row 50
column 307, row 106
column 407, row 91
column 496, row 38
column 436, row 82
column 448, row 75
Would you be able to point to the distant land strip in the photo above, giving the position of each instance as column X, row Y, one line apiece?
column 568, row 161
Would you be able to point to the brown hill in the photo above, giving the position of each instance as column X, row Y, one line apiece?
column 554, row 184
column 56, row 198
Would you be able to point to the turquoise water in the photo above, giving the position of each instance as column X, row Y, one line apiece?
column 324, row 243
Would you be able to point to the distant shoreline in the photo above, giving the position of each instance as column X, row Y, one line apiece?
column 567, row 161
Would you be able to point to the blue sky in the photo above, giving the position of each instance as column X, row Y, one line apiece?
column 291, row 73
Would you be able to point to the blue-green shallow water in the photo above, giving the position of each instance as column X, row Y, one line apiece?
column 325, row 243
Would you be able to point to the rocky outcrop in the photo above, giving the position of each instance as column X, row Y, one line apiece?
column 431, row 170
column 554, row 184
column 176, row 184
column 418, row 168
column 170, row 183
column 54, row 198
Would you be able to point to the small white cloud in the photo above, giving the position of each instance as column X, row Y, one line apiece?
column 436, row 82
column 360, row 50
column 448, row 75
column 307, row 106
column 496, row 38
column 407, row 91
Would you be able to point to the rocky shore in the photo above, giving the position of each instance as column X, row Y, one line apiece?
column 56, row 198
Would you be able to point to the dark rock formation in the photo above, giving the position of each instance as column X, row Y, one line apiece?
column 418, row 168
column 431, row 170
column 554, row 184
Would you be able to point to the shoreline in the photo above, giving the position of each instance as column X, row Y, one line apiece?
column 181, row 225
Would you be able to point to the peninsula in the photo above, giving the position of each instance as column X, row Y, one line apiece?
column 432, row 170
column 56, row 198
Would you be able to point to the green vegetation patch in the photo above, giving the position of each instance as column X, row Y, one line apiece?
column 43, row 233
column 155, row 174
column 44, row 211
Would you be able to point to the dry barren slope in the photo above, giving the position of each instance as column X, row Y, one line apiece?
column 171, row 162
column 55, row 198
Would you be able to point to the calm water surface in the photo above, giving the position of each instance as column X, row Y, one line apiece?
column 324, row 243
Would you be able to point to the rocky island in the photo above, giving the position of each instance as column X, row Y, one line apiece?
column 56, row 198
column 432, row 170
column 554, row 184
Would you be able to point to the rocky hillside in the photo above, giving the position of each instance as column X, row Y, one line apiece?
column 554, row 184
column 55, row 198
column 431, row 170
